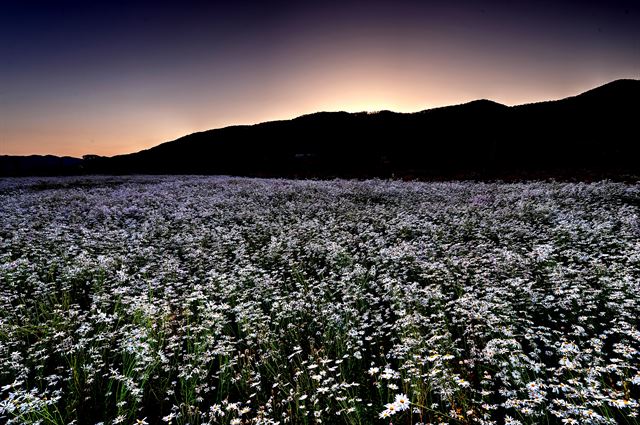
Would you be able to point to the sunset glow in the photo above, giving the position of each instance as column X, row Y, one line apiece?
column 83, row 78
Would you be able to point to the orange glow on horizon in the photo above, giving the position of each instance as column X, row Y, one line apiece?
column 145, row 125
column 92, row 78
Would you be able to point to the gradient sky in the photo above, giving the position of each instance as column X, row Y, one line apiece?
column 109, row 77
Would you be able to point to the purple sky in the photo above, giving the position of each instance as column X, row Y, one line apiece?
column 114, row 77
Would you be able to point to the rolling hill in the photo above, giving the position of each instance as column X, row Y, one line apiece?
column 594, row 134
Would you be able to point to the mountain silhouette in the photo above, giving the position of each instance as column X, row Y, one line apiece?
column 40, row 165
column 593, row 134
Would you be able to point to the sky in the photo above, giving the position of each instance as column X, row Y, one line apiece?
column 112, row 77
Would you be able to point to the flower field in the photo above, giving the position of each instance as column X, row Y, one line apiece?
column 217, row 300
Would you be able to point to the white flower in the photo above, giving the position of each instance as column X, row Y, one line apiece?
column 385, row 414
column 392, row 408
column 169, row 417
column 402, row 402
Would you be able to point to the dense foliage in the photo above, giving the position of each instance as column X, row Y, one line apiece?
column 243, row 301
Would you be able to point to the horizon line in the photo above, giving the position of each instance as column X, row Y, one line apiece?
column 294, row 117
